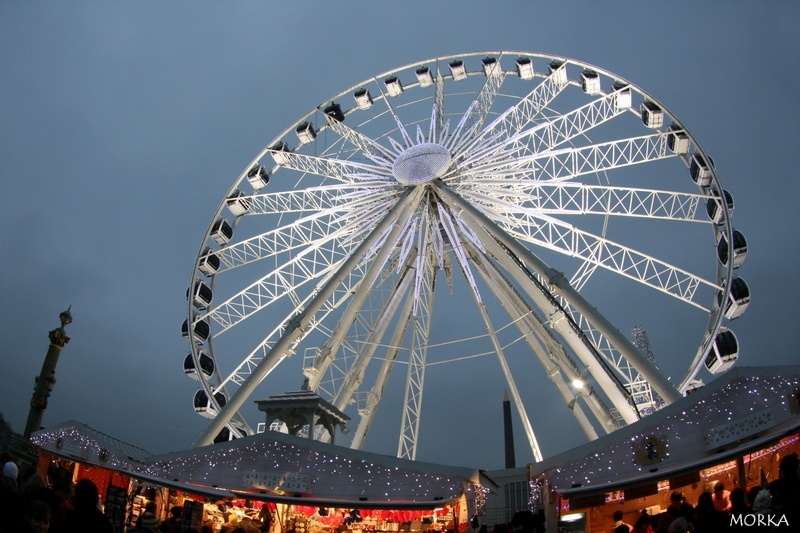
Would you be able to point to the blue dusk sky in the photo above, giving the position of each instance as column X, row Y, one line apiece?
column 123, row 124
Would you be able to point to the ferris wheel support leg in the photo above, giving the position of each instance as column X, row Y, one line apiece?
column 328, row 351
column 562, row 287
column 394, row 221
column 423, row 296
column 376, row 392
column 355, row 377
column 498, row 349
column 512, row 302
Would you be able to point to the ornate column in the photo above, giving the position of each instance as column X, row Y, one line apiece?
column 47, row 378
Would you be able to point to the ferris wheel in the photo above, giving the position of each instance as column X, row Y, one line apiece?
column 512, row 207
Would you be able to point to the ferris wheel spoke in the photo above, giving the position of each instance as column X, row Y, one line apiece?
column 555, row 132
column 369, row 147
column 323, row 255
column 458, row 247
column 438, row 128
column 314, row 199
column 473, row 119
column 303, row 232
column 610, row 255
column 569, row 163
column 580, row 199
column 528, row 109
column 340, row 295
column 350, row 172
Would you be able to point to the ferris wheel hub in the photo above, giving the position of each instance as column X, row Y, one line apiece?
column 421, row 163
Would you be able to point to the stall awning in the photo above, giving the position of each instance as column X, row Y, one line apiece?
column 743, row 410
column 274, row 466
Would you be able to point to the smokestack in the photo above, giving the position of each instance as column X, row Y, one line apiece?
column 508, row 432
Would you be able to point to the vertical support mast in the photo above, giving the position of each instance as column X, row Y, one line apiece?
column 376, row 392
column 421, row 324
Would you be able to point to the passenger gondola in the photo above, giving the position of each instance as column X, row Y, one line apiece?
column 238, row 203
column 737, row 301
column 206, row 366
column 457, row 70
column 258, row 177
column 201, row 295
column 206, row 408
column 524, row 68
column 714, row 206
column 724, row 352
column 201, row 331
column 221, row 232
column 739, row 248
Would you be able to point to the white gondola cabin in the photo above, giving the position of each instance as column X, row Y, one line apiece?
column 737, row 301
column 201, row 331
column 393, row 86
column 305, row 132
column 457, row 70
column 622, row 95
column 204, row 407
column 221, row 232
column 200, row 294
column 524, row 68
column 590, row 81
column 237, row 202
column 278, row 151
column 363, row 98
column 739, row 248
column 677, row 139
column 700, row 170
column 424, row 77
column 206, row 366
column 724, row 352
column 652, row 115
column 258, row 177
column 714, row 206
column 490, row 66
column 557, row 73
column 209, row 262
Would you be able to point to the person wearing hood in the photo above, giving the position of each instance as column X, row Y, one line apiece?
column 11, row 498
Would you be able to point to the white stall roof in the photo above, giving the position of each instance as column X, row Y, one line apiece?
column 275, row 467
column 744, row 409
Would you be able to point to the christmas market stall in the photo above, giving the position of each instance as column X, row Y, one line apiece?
column 733, row 431
column 273, row 482
column 335, row 487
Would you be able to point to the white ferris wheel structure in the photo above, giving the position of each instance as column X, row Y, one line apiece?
column 466, row 207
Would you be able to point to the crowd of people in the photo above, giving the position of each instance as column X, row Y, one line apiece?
column 772, row 507
column 28, row 504
column 32, row 506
